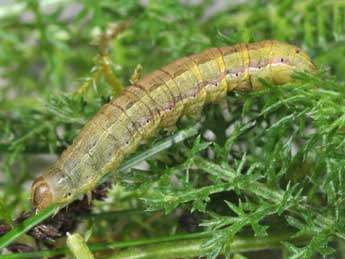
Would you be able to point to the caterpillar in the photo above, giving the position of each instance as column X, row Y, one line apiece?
column 157, row 101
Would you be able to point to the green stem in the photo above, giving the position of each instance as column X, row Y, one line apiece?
column 109, row 246
column 196, row 247
column 116, row 214
column 79, row 248
column 25, row 226
column 160, row 146
column 261, row 190
column 185, row 245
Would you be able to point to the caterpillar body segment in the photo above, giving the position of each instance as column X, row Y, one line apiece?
column 210, row 65
column 157, row 101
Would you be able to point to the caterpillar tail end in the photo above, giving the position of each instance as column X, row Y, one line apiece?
column 41, row 194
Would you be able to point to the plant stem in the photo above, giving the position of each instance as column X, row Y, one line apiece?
column 25, row 226
column 160, row 146
column 107, row 246
column 261, row 190
column 116, row 214
column 185, row 245
column 77, row 245
column 195, row 247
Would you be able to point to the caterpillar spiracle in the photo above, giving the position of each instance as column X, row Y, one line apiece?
column 157, row 101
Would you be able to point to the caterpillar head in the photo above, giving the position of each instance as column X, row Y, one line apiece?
column 52, row 187
column 41, row 194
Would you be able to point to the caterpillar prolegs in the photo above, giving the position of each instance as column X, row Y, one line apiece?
column 157, row 101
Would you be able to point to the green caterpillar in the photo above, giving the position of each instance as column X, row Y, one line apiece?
column 158, row 100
